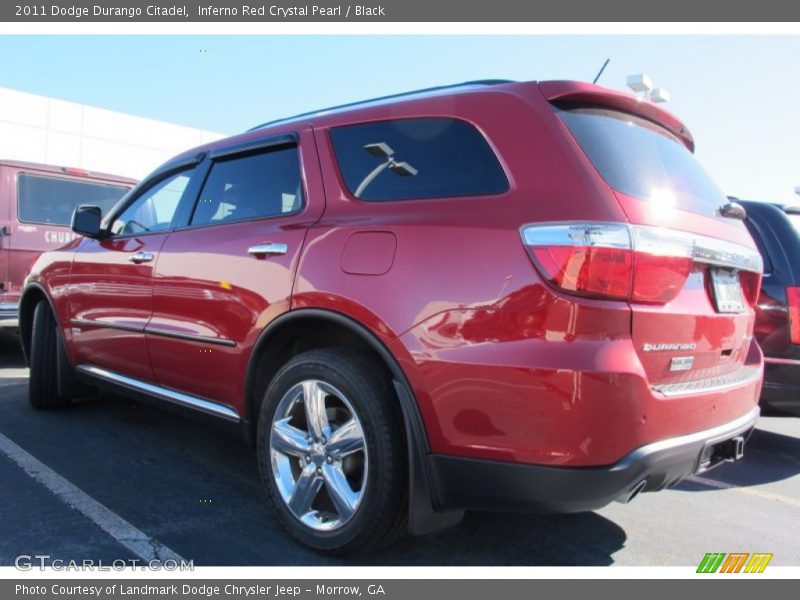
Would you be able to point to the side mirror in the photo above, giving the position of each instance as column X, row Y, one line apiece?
column 86, row 221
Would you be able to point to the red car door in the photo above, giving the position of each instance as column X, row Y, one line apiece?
column 111, row 281
column 229, row 271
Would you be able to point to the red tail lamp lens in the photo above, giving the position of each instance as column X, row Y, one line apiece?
column 605, row 272
column 658, row 279
column 751, row 286
column 793, row 304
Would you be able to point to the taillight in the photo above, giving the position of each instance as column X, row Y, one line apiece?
column 627, row 262
column 593, row 260
column 751, row 286
column 663, row 262
column 793, row 305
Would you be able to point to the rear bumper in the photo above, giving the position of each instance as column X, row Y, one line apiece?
column 9, row 314
column 464, row 483
column 781, row 390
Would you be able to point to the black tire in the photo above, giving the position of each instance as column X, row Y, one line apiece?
column 381, row 516
column 43, row 383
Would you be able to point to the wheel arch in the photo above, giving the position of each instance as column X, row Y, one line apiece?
column 308, row 328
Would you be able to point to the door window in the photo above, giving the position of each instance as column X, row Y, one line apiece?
column 154, row 210
column 253, row 186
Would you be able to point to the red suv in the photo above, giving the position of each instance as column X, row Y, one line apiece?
column 494, row 295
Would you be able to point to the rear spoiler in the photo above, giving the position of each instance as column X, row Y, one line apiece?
column 575, row 91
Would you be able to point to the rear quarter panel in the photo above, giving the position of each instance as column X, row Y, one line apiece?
column 461, row 289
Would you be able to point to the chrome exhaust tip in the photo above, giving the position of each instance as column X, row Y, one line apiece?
column 628, row 496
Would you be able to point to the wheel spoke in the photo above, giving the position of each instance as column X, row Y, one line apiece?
column 314, row 401
column 347, row 439
column 288, row 439
column 343, row 498
column 305, row 490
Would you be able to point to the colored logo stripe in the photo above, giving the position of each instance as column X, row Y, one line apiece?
column 734, row 562
column 758, row 562
column 711, row 562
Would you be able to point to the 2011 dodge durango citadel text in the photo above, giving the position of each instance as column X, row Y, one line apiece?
column 494, row 295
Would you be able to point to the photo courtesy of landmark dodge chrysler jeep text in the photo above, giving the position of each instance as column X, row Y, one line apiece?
column 495, row 295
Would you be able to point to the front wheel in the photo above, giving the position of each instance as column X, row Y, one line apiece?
column 331, row 451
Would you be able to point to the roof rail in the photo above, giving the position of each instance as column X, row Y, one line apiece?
column 382, row 98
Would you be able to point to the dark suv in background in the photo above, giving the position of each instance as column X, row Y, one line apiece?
column 776, row 231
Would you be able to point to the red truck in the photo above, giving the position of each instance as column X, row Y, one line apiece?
column 36, row 206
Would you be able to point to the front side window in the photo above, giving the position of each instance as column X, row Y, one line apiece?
column 154, row 210
column 52, row 200
column 407, row 159
column 253, row 186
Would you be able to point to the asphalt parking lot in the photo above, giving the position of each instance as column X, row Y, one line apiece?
column 192, row 489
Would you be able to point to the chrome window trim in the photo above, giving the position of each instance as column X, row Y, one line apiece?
column 185, row 400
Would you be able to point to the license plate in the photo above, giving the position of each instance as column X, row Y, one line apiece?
column 727, row 291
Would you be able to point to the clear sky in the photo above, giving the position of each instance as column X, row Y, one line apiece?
column 739, row 95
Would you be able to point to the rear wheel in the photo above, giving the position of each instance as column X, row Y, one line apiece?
column 331, row 451
column 43, row 383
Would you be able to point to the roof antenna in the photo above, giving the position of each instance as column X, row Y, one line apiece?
column 603, row 68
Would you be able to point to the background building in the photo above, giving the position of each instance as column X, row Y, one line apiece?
column 46, row 130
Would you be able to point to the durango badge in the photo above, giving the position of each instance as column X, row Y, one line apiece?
column 661, row 347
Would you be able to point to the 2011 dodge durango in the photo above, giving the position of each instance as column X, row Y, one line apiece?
column 495, row 295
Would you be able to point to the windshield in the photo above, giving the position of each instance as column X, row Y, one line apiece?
column 642, row 159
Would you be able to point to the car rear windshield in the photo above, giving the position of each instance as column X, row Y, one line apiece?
column 52, row 200
column 406, row 159
column 642, row 159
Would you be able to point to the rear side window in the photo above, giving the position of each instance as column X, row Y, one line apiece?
column 254, row 186
column 407, row 159
column 642, row 159
column 51, row 200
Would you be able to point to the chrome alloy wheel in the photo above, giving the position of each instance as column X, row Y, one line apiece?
column 319, row 455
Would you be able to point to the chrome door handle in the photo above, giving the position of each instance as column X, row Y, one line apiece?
column 268, row 249
column 141, row 257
